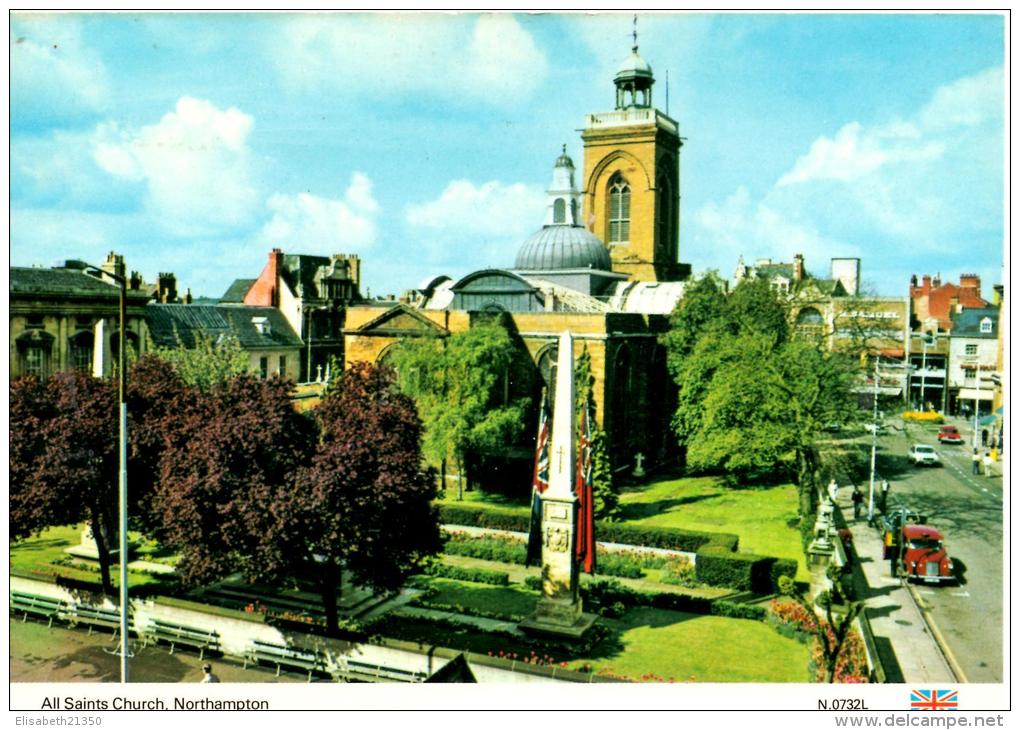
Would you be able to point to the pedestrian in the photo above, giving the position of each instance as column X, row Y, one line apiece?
column 833, row 488
column 975, row 462
column 207, row 675
column 858, row 500
column 988, row 463
column 883, row 496
column 984, row 437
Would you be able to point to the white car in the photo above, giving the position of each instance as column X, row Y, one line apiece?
column 923, row 455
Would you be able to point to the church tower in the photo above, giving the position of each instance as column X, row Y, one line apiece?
column 632, row 178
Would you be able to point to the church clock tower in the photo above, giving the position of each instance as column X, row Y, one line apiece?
column 632, row 179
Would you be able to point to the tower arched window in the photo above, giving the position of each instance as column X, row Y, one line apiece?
column 559, row 211
column 619, row 209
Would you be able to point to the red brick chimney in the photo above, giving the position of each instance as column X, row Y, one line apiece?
column 925, row 284
column 265, row 292
column 971, row 281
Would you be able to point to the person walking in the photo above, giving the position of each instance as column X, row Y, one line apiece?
column 858, row 500
column 883, row 496
column 207, row 675
column 988, row 463
column 975, row 462
column 833, row 489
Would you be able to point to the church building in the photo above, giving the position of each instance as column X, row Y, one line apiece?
column 604, row 265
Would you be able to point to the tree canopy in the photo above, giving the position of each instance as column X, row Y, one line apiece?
column 469, row 388
column 752, row 396
column 210, row 361
column 64, row 458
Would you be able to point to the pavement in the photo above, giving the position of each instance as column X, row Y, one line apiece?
column 906, row 638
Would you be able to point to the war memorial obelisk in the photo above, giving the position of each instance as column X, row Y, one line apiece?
column 559, row 611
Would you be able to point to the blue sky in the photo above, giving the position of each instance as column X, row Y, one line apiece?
column 424, row 143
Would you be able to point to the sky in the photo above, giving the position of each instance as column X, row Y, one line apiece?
column 424, row 143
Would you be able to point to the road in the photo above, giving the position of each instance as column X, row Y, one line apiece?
column 968, row 510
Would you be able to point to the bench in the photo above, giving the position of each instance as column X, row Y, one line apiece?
column 40, row 605
column 284, row 656
column 94, row 616
column 175, row 634
column 379, row 673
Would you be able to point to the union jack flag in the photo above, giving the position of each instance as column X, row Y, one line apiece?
column 933, row 699
column 539, row 483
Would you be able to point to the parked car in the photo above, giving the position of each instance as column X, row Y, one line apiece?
column 923, row 455
column 919, row 553
column 949, row 435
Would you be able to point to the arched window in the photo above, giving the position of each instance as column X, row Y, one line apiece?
column 559, row 211
column 80, row 352
column 810, row 316
column 619, row 209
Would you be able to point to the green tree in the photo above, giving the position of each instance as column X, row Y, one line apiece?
column 604, row 491
column 752, row 398
column 463, row 386
column 210, row 361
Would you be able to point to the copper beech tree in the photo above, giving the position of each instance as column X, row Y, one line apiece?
column 261, row 489
column 63, row 459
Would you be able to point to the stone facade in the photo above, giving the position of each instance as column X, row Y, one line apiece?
column 54, row 318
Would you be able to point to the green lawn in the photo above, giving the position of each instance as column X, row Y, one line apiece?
column 692, row 648
column 504, row 600
column 764, row 518
column 44, row 554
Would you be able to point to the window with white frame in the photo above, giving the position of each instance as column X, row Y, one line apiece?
column 986, row 326
column 970, row 350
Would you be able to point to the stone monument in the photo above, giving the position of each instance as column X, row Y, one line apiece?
column 559, row 609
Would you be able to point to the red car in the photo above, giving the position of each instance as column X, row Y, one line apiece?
column 923, row 556
column 949, row 435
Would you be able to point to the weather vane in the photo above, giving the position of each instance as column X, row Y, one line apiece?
column 635, row 32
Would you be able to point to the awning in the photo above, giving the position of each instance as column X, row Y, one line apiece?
column 974, row 394
column 987, row 420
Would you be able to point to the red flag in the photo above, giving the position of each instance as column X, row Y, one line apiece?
column 585, row 544
column 539, row 483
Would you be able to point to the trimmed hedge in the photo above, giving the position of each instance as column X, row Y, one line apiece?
column 473, row 575
column 607, row 596
column 669, row 538
column 717, row 564
column 742, row 571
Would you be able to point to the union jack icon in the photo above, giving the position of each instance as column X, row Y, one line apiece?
column 933, row 699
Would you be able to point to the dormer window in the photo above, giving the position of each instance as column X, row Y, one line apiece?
column 986, row 326
column 261, row 325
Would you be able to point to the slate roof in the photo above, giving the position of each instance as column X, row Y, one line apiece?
column 27, row 281
column 236, row 291
column 967, row 323
column 299, row 271
column 169, row 323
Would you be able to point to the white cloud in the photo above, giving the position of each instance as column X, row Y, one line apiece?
column 490, row 209
column 968, row 102
column 739, row 227
column 855, row 153
column 380, row 54
column 55, row 78
column 322, row 225
column 194, row 162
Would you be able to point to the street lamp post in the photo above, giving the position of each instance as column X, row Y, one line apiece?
column 122, row 478
column 977, row 397
column 874, row 448
column 924, row 368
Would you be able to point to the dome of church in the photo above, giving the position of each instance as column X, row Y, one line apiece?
column 562, row 247
column 634, row 66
